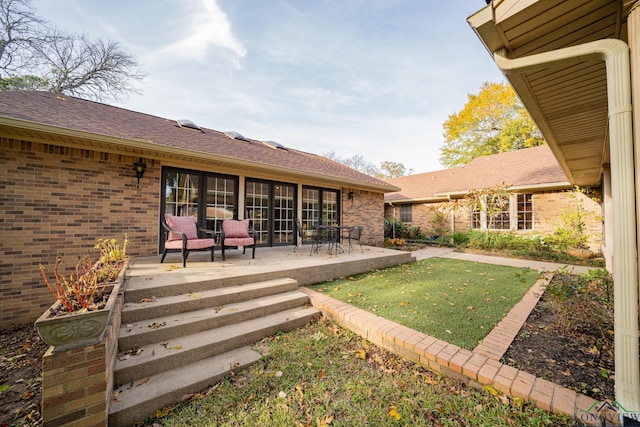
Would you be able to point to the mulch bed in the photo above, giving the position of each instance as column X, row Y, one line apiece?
column 21, row 351
column 576, row 358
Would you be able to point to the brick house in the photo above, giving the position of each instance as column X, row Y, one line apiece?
column 67, row 178
column 539, row 200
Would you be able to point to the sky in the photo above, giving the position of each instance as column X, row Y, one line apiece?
column 375, row 78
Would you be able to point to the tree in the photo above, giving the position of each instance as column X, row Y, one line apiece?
column 35, row 57
column 356, row 162
column 387, row 168
column 22, row 29
column 493, row 121
column 390, row 170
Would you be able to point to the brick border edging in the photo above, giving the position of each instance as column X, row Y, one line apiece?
column 497, row 342
column 473, row 368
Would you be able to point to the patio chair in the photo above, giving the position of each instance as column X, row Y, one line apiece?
column 182, row 236
column 354, row 234
column 236, row 233
column 299, row 235
column 322, row 235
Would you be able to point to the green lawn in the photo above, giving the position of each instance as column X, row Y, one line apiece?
column 456, row 301
column 325, row 375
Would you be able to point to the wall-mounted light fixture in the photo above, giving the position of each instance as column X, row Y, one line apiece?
column 139, row 167
column 351, row 195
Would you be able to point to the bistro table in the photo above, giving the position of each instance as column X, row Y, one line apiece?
column 329, row 235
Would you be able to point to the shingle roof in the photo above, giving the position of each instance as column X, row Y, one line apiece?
column 66, row 112
column 527, row 168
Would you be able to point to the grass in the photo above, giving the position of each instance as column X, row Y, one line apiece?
column 452, row 300
column 325, row 375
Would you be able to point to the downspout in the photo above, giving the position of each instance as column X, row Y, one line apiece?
column 615, row 54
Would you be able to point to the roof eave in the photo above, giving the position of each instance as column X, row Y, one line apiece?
column 137, row 147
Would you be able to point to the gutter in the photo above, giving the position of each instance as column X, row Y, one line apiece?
column 615, row 54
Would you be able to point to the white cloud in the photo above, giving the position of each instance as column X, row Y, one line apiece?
column 206, row 26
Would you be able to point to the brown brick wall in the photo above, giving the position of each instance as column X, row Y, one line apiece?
column 58, row 200
column 550, row 210
column 77, row 384
column 366, row 209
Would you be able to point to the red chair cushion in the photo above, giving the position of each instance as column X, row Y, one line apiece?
column 182, row 224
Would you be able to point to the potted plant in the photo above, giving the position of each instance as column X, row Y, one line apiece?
column 84, row 298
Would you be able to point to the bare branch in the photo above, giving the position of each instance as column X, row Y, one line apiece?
column 33, row 55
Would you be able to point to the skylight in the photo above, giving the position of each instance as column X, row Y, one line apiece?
column 274, row 145
column 184, row 123
column 235, row 135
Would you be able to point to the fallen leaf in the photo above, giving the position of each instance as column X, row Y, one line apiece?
column 321, row 374
column 491, row 390
column 156, row 325
column 394, row 413
column 326, row 420
column 144, row 381
column 361, row 354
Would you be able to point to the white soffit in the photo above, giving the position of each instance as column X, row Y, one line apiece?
column 569, row 104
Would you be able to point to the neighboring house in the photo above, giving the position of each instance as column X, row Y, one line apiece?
column 67, row 178
column 539, row 200
column 575, row 65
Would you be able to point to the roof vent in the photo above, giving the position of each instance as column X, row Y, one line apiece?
column 184, row 123
column 235, row 135
column 275, row 145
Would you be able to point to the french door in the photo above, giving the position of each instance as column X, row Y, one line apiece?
column 271, row 206
column 319, row 207
column 209, row 197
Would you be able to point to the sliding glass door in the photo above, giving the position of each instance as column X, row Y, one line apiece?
column 271, row 207
column 209, row 197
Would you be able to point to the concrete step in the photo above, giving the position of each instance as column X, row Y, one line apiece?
column 163, row 356
column 153, row 307
column 161, row 329
column 171, row 283
column 133, row 402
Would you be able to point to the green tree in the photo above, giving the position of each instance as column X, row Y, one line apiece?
column 493, row 121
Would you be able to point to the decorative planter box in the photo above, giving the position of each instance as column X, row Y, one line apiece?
column 79, row 329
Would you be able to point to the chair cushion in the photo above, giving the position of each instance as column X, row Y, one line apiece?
column 182, row 224
column 234, row 228
column 238, row 241
column 192, row 244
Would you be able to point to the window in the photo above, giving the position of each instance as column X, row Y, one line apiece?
column 319, row 206
column 406, row 213
column 516, row 214
column 525, row 211
column 271, row 207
